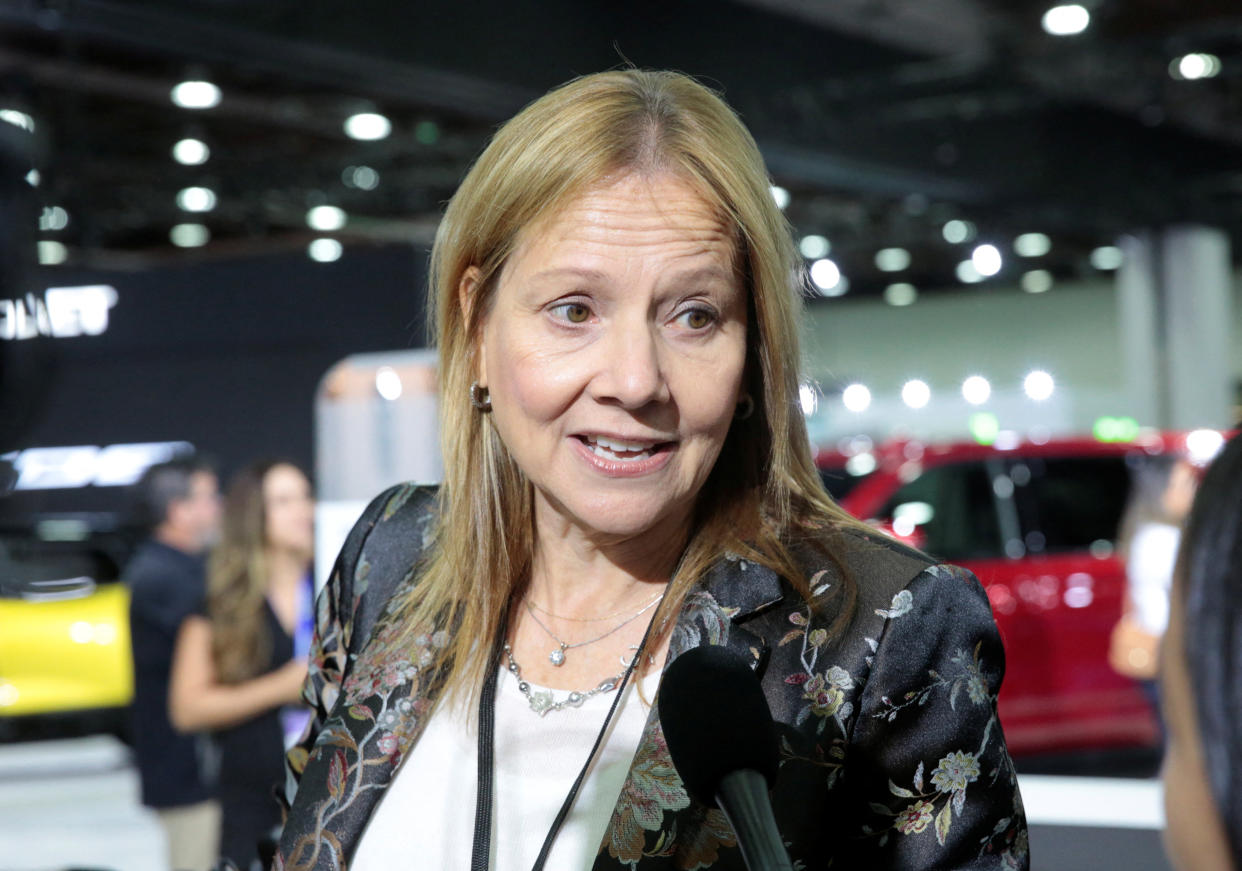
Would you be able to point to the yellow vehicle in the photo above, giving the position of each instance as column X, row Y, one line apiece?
column 64, row 630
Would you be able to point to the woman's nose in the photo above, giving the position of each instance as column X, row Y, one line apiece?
column 630, row 371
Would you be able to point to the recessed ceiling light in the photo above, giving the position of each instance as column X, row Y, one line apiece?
column 191, row 152
column 1066, row 20
column 326, row 218
column 367, row 126
column 196, row 95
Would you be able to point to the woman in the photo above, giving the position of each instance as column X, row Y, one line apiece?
column 1201, row 678
column 234, row 665
column 627, row 476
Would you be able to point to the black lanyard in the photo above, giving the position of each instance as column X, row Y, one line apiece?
column 480, row 858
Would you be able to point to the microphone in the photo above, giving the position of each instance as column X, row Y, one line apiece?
column 723, row 743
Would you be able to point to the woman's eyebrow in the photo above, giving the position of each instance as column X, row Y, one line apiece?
column 593, row 275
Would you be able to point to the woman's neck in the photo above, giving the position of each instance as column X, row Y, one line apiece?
column 580, row 577
column 285, row 568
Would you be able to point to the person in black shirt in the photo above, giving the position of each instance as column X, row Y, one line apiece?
column 179, row 501
column 235, row 670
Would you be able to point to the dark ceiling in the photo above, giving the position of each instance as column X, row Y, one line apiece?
column 883, row 118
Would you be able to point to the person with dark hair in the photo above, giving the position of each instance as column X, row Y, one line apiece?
column 178, row 502
column 235, row 670
column 1201, row 678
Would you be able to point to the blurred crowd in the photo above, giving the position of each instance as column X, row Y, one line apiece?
column 221, row 602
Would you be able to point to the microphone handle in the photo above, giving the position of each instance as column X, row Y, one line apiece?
column 743, row 796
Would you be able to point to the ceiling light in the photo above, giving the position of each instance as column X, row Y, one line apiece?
column 814, row 247
column 915, row 393
column 325, row 250
column 52, row 253
column 987, row 260
column 191, row 152
column 33, row 178
column 326, row 218
column 1032, row 245
column 976, row 390
column 1066, row 20
column 957, row 231
column 18, row 119
column 892, row 259
column 780, row 196
column 196, row 95
column 361, row 177
column 967, row 273
column 367, row 126
column 53, row 218
column 189, row 235
column 1037, row 281
column 825, row 274
column 900, row 294
column 1195, row 66
column 1038, row 385
column 856, row 397
column 1106, row 258
column 196, row 199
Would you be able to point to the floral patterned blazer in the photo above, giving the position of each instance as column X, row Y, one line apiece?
column 892, row 756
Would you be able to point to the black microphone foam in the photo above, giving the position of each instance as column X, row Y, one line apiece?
column 716, row 720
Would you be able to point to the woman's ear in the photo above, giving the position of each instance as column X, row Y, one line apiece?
column 467, row 299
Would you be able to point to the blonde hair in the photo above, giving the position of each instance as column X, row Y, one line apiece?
column 764, row 490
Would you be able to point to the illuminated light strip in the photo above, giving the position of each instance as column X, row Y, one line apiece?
column 1101, row 802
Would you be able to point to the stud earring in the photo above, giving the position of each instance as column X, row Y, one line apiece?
column 745, row 407
column 480, row 397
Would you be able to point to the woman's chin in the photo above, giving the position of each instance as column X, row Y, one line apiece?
column 626, row 518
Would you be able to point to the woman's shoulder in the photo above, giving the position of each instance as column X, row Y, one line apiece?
column 385, row 544
column 876, row 565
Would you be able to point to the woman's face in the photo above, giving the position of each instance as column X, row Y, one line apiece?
column 614, row 352
column 290, row 510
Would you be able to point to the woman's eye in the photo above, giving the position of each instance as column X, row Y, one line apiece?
column 698, row 318
column 574, row 312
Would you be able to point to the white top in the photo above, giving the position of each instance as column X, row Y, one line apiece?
column 1149, row 571
column 426, row 816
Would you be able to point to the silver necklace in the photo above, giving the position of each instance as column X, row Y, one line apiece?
column 557, row 656
column 611, row 616
column 542, row 701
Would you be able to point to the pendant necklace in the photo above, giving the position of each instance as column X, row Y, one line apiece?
column 557, row 656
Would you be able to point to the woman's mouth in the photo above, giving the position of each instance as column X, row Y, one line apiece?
column 617, row 449
column 616, row 454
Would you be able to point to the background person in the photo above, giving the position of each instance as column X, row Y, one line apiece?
column 1151, row 531
column 1201, row 678
column 628, row 476
column 179, row 501
column 235, row 665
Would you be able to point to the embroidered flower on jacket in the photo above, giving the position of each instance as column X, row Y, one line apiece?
column 977, row 689
column 915, row 818
column 826, row 692
column 955, row 771
column 901, row 605
column 652, row 788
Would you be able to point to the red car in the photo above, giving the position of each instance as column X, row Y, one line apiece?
column 1037, row 523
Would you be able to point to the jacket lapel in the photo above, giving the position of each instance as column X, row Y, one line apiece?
column 641, row 825
column 375, row 722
